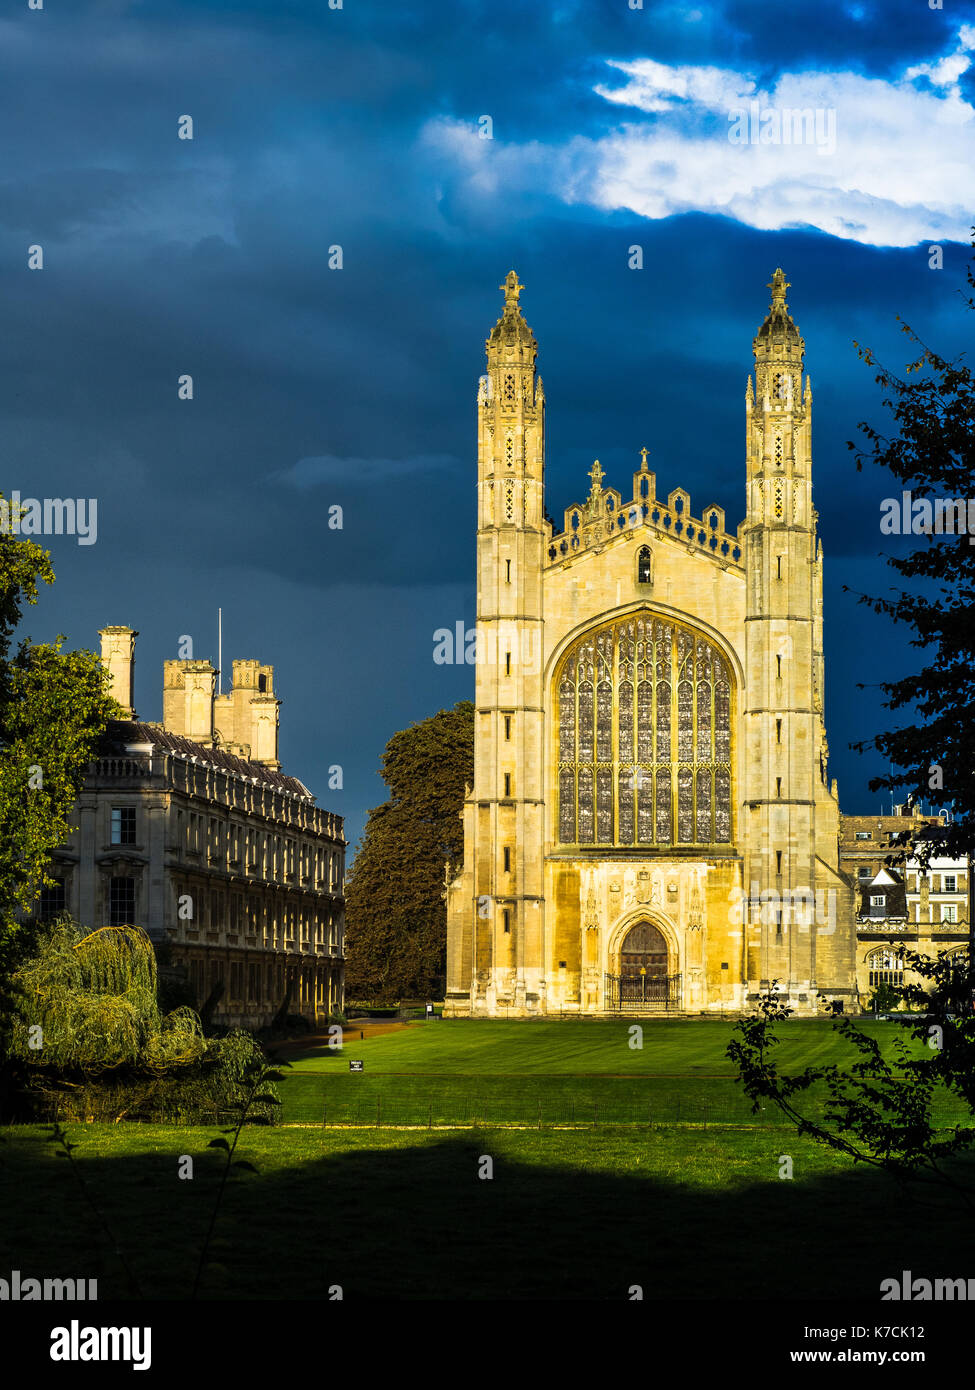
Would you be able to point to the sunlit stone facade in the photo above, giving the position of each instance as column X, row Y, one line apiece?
column 190, row 830
column 651, row 826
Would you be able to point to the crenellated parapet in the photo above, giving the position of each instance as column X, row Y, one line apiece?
column 606, row 517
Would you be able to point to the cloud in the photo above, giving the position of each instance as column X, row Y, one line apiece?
column 886, row 162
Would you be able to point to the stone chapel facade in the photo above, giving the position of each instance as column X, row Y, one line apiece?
column 651, row 827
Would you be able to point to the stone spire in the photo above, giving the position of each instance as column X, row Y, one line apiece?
column 778, row 329
column 511, row 327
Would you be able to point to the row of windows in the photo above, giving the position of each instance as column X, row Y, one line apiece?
column 255, row 983
column 948, row 884
column 878, row 908
column 269, row 856
column 262, row 851
column 268, row 919
column 886, row 967
column 210, row 910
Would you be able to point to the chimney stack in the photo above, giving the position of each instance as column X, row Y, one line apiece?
column 118, row 657
column 188, row 695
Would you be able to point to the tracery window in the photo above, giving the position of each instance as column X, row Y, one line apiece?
column 644, row 737
column 885, row 967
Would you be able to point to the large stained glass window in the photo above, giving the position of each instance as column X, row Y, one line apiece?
column 645, row 710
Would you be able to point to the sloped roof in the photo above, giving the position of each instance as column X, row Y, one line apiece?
column 122, row 732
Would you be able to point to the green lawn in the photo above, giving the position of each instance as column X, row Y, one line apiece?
column 581, row 1073
column 633, row 1167
column 403, row 1214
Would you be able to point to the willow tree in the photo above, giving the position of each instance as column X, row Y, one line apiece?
column 396, row 913
column 89, row 1004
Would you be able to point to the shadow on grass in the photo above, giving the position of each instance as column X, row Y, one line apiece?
column 403, row 1216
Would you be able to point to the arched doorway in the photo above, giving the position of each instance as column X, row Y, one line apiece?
column 646, row 979
column 643, row 947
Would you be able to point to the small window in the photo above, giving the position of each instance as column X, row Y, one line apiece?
column 507, row 571
column 643, row 570
column 877, row 900
column 507, row 859
column 864, row 835
column 123, row 825
column 507, row 663
column 507, row 726
column 778, row 666
column 778, row 786
column 778, row 861
column 948, row 884
column 949, row 913
column 507, row 784
column 507, row 920
column 778, row 733
column 53, row 901
column 121, row 902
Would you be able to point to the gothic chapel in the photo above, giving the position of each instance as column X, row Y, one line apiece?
column 650, row 829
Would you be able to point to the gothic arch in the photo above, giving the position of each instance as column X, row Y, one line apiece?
column 632, row 918
column 643, row 735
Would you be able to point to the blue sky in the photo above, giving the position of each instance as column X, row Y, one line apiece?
column 360, row 127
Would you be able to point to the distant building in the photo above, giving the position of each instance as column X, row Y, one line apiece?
column 900, row 906
column 189, row 829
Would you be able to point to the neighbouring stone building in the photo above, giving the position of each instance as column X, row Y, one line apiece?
column 651, row 824
column 189, row 829
column 901, row 906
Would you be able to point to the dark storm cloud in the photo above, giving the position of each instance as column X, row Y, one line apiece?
column 316, row 387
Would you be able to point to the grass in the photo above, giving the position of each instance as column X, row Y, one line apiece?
column 403, row 1214
column 462, row 1072
column 580, row 1213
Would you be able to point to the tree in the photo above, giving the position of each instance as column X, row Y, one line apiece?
column 53, row 707
column 932, row 455
column 395, row 898
column 885, row 998
column 888, row 1111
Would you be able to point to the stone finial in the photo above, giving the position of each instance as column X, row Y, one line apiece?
column 643, row 459
column 778, row 285
column 512, row 289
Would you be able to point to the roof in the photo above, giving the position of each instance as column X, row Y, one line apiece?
column 120, row 733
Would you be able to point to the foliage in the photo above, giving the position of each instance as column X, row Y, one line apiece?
column 877, row 1111
column 932, row 455
column 53, row 707
column 89, row 1005
column 91, row 1042
column 65, row 1150
column 395, row 900
column 254, row 1090
column 885, row 998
